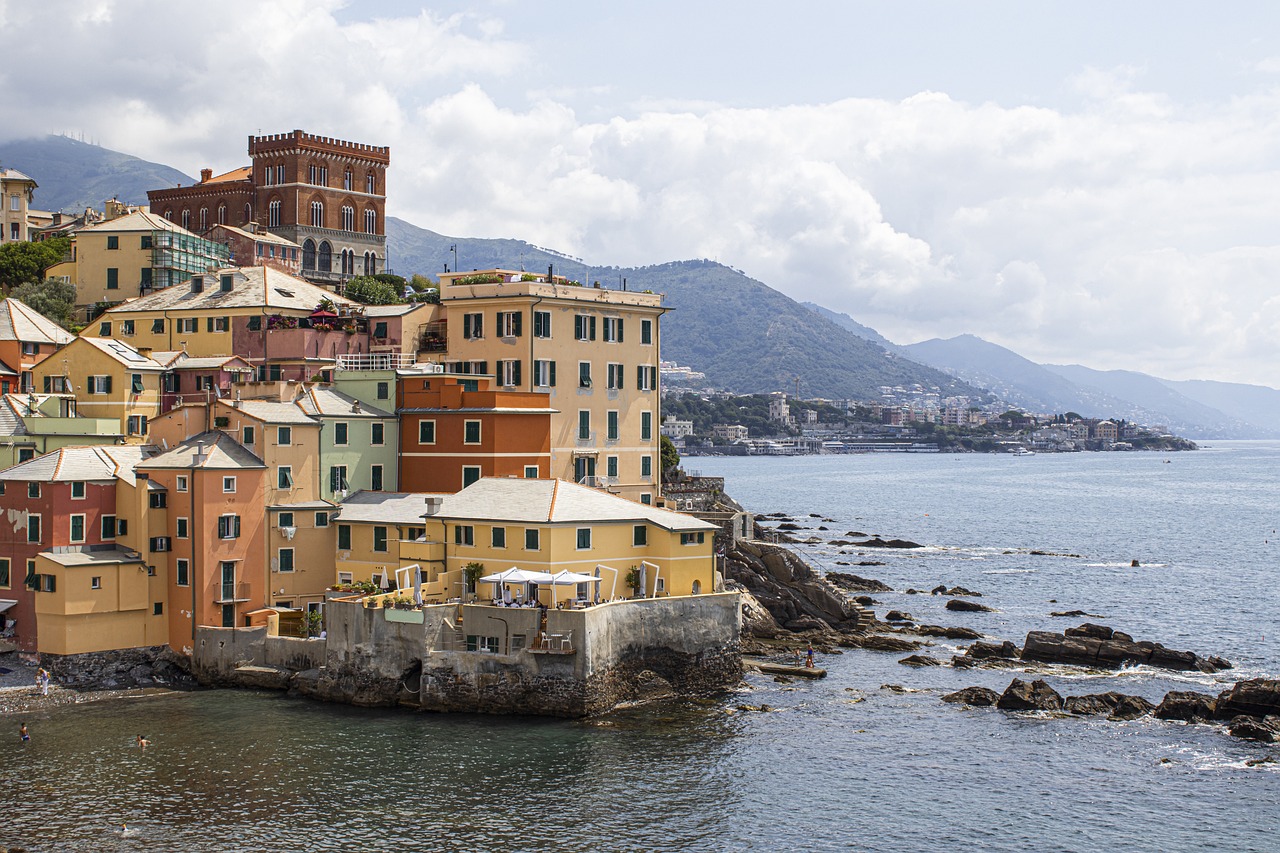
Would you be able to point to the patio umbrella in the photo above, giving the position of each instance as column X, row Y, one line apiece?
column 568, row 578
column 516, row 575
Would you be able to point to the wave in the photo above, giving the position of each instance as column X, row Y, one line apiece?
column 1128, row 565
column 1010, row 571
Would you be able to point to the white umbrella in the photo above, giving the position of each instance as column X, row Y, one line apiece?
column 516, row 575
column 568, row 578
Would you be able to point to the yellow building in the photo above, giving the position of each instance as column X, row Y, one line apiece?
column 110, row 380
column 132, row 255
column 371, row 531
column 101, row 600
column 16, row 194
column 594, row 350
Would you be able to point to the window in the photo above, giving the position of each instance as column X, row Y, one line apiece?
column 472, row 326
column 157, row 608
column 615, row 377
column 584, row 327
column 247, row 435
column 186, row 219
column 646, row 377
column 157, row 326
column 612, row 426
column 158, row 500
column 137, row 425
column 340, row 433
column 113, row 278
column 544, row 374
column 222, row 214
column 182, row 482
column 646, row 426
column 639, row 535
column 338, row 478
column 228, row 485
column 542, row 324
column 182, row 528
column 229, row 527
column 471, row 432
column 377, row 434
column 692, row 538
column 77, row 490
column 344, row 537
column 33, row 489
column 77, row 528
column 113, row 241
column 135, row 383
column 509, row 324
column 531, row 472
column 584, row 425
column 611, row 466
column 322, row 519
column 384, row 388
column 284, row 477
column 584, row 538
column 183, row 573
column 464, row 534
column 204, row 219
column 348, row 218
column 284, row 436
column 95, row 582
column 346, row 179
column 509, row 372
column 217, row 324
column 104, row 330
column 646, row 466
column 126, row 328
column 285, row 560
column 646, row 332
column 499, row 535
column 273, row 214
column 187, row 325
column 109, row 527
column 33, row 528
column 318, row 175
column 48, row 583
column 613, row 330
column 144, row 284
column 375, row 478
column 5, row 577
column 15, row 204
column 370, row 223
column 426, row 432
column 370, row 183
column 317, row 214
column 584, row 374
column 531, row 539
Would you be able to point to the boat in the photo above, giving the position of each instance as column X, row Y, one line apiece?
column 1022, row 451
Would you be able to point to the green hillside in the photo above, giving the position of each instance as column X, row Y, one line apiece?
column 74, row 175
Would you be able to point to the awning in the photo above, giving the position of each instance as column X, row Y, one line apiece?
column 6, row 603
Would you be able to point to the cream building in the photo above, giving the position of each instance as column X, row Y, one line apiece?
column 16, row 192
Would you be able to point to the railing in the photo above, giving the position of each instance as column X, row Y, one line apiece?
column 375, row 361
column 233, row 592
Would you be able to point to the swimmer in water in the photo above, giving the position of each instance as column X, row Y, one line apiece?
column 22, row 733
column 143, row 742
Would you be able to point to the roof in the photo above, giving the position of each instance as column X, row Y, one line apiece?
column 14, row 175
column 472, row 410
column 70, row 464
column 556, row 502
column 11, row 417
column 208, row 362
column 242, row 173
column 92, row 558
column 393, row 310
column 252, row 287
column 218, row 450
column 387, row 507
column 325, row 402
column 138, row 220
column 124, row 354
column 20, row 322
column 273, row 412
column 303, row 505
column 260, row 236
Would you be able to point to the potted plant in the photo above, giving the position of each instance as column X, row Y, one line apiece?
column 471, row 574
column 633, row 580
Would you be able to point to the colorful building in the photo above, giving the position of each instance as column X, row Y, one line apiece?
column 26, row 338
column 251, row 246
column 110, row 380
column 358, row 443
column 34, row 424
column 17, row 192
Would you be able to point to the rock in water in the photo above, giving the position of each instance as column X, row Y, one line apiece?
column 1036, row 696
column 881, row 643
column 919, row 660
column 1266, row 729
column 951, row 633
column 1116, row 706
column 1131, row 708
column 978, row 696
column 967, row 606
column 854, row 583
column 1257, row 697
column 1188, row 706
column 1100, row 646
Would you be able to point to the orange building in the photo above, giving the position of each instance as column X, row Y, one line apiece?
column 455, row 430
column 26, row 339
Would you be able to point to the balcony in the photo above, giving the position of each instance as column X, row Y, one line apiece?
column 375, row 361
column 233, row 593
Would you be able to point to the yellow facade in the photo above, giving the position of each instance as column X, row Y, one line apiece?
column 302, row 561
column 99, row 603
column 110, row 379
column 604, row 345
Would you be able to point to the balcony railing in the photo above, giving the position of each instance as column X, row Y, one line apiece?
column 375, row 361
column 232, row 593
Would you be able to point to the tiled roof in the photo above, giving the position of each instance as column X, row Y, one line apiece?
column 10, row 420
column 14, row 175
column 556, row 501
column 220, row 451
column 260, row 236
column 242, row 173
column 69, row 464
column 275, row 412
column 19, row 322
column 252, row 287
column 393, row 310
column 208, row 362
column 387, row 507
column 125, row 354
column 138, row 220
column 325, row 402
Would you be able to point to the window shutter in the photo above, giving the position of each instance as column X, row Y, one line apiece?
column 517, row 320
column 89, row 386
column 484, row 368
column 48, row 382
column 237, row 526
column 640, row 377
column 591, row 326
column 466, row 326
column 577, row 327
column 108, row 381
column 222, row 527
column 552, row 380
column 619, row 330
column 515, row 372
column 209, row 323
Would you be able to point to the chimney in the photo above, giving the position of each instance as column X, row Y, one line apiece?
column 145, row 352
column 197, row 459
column 355, row 407
column 433, row 504
column 205, row 174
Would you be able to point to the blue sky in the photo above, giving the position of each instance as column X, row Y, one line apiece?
column 1082, row 182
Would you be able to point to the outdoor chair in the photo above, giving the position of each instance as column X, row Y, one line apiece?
column 566, row 642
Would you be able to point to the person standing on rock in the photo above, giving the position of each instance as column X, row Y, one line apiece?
column 808, row 659
column 23, row 734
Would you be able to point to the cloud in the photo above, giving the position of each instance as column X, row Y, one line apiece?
column 1131, row 231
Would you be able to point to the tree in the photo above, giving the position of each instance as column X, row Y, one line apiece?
column 670, row 456
column 371, row 291
column 54, row 299
column 421, row 282
column 21, row 263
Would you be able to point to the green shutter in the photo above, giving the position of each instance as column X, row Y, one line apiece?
column 619, row 330
column 108, row 378
column 552, row 380
column 516, row 371
column 517, row 320
column 591, row 326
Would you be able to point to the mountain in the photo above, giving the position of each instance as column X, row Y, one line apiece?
column 1257, row 405
column 74, row 175
column 746, row 336
column 847, row 322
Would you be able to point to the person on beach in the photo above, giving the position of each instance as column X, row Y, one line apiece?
column 143, row 742
column 808, row 660
column 42, row 678
column 22, row 733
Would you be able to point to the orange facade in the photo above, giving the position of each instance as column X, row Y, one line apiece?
column 455, row 429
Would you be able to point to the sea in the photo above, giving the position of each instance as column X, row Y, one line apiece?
column 867, row 759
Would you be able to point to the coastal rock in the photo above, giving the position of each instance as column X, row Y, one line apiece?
column 1266, row 729
column 854, row 583
column 856, row 534
column 1117, row 706
column 941, row 589
column 1074, row 614
column 959, row 604
column 865, row 600
column 788, row 588
column 877, row 542
column 881, row 643
column 1100, row 646
column 1131, row 708
column 977, row 696
column 1036, row 696
column 988, row 651
column 806, row 623
column 950, row 633
column 1188, row 706
column 1257, row 697
column 1097, row 632
column 756, row 620
column 920, row 660
column 898, row 616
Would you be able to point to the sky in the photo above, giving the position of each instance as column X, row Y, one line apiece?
column 1085, row 182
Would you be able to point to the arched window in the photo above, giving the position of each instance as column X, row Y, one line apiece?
column 204, row 219
column 273, row 214
column 370, row 183
column 317, row 214
column 309, row 254
column 348, row 218
column 346, row 180
column 186, row 219
column 325, row 261
column 370, row 263
column 248, row 212
column 222, row 214
column 348, row 262
column 168, row 214
column 697, row 587
column 370, row 221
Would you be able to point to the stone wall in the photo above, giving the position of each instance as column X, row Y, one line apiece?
column 140, row 667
